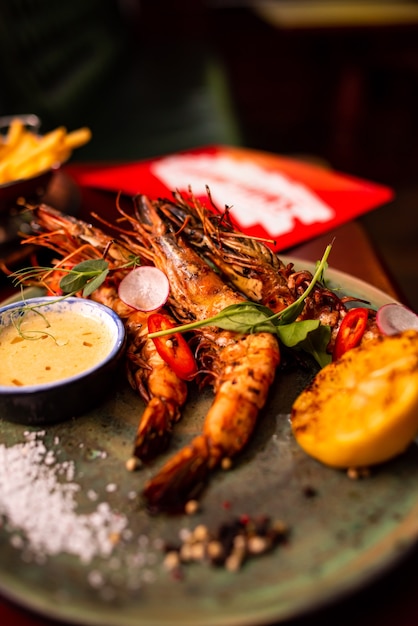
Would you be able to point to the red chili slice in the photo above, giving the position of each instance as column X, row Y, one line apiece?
column 351, row 331
column 173, row 349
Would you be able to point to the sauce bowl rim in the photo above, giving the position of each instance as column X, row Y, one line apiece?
column 68, row 302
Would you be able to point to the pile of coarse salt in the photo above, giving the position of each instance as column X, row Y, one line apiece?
column 38, row 505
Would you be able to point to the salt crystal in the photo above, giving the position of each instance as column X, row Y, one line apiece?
column 158, row 544
column 30, row 479
column 143, row 540
column 185, row 534
column 127, row 534
column 95, row 578
column 148, row 576
column 16, row 541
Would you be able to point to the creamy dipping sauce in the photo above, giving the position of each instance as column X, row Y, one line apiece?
column 61, row 345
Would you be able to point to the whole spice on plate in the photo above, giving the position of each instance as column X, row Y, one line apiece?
column 229, row 546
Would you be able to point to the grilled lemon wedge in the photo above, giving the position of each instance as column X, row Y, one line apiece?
column 362, row 409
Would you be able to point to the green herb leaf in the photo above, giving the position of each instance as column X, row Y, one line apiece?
column 95, row 283
column 290, row 314
column 245, row 317
column 86, row 276
column 255, row 317
column 71, row 283
column 316, row 344
column 91, row 266
column 77, row 278
column 293, row 334
column 249, row 317
column 322, row 269
column 134, row 261
column 308, row 335
column 27, row 274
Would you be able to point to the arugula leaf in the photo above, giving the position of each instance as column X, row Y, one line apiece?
column 293, row 334
column 245, row 317
column 316, row 343
column 290, row 314
column 250, row 317
column 230, row 317
column 308, row 335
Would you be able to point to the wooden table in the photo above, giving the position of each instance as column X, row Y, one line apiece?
column 391, row 601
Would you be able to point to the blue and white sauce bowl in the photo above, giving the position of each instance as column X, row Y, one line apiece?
column 58, row 358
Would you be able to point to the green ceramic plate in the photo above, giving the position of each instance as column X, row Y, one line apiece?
column 77, row 545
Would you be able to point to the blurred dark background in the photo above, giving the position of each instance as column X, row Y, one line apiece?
column 332, row 82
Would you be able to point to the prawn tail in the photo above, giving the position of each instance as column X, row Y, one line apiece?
column 155, row 429
column 181, row 479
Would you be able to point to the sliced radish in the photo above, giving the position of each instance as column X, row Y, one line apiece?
column 395, row 318
column 145, row 288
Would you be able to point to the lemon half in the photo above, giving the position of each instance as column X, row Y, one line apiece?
column 362, row 409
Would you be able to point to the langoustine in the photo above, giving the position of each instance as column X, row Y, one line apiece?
column 163, row 392
column 242, row 366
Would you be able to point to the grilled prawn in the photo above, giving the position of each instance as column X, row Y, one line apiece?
column 242, row 366
column 162, row 390
column 253, row 267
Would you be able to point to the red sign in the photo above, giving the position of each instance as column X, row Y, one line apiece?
column 273, row 197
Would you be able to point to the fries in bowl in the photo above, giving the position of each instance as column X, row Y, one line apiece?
column 25, row 154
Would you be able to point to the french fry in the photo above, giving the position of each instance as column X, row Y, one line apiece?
column 48, row 144
column 16, row 130
column 41, row 163
column 27, row 143
column 13, row 138
column 4, row 173
column 77, row 138
column 24, row 154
